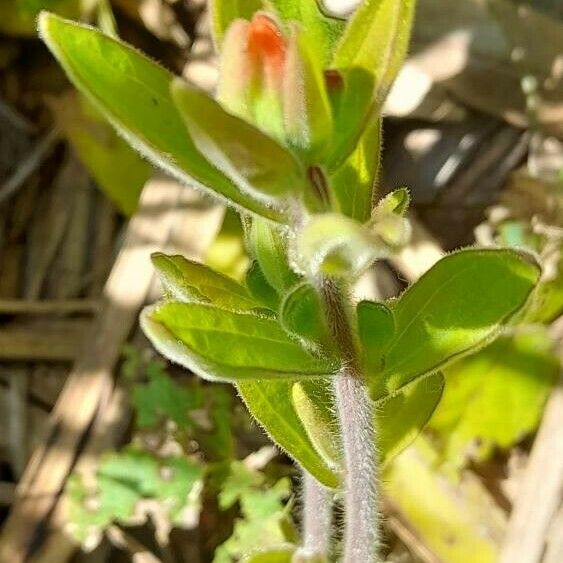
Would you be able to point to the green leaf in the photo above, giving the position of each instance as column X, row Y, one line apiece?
column 376, row 39
column 269, row 246
column 354, row 181
column 351, row 97
column 259, row 287
column 301, row 315
column 402, row 417
column 162, row 398
column 123, row 480
column 324, row 31
column 271, row 403
column 458, row 306
column 263, row 513
column 19, row 17
column 376, row 329
column 307, row 111
column 335, row 245
column 496, row 397
column 224, row 12
column 315, row 406
column 253, row 161
column 190, row 282
column 282, row 554
column 132, row 92
column 218, row 344
column 117, row 169
column 397, row 202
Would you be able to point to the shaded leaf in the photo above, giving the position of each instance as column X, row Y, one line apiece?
column 376, row 329
column 133, row 93
column 259, row 287
column 301, row 314
column 458, row 306
column 224, row 12
column 218, row 344
column 354, row 181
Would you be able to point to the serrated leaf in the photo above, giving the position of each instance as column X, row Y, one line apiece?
column 123, row 480
column 376, row 39
column 132, row 92
column 256, row 163
column 224, row 12
column 324, row 30
column 376, row 329
column 494, row 398
column 354, row 181
column 270, row 402
column 335, row 245
column 191, row 282
column 269, row 246
column 401, row 418
column 218, row 344
column 259, row 287
column 301, row 314
column 162, row 398
column 118, row 170
column 458, row 306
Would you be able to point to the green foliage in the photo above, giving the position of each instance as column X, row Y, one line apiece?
column 263, row 511
column 224, row 12
column 259, row 287
column 218, row 344
column 256, row 163
column 123, row 481
column 132, row 92
column 496, row 397
column 18, row 17
column 190, row 282
column 458, row 306
column 376, row 329
column 376, row 39
column 271, row 403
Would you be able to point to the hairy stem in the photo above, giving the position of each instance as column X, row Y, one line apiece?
column 317, row 517
column 356, row 414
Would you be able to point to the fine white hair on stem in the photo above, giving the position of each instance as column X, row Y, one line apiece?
column 317, row 517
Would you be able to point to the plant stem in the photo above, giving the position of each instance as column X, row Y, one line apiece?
column 317, row 517
column 356, row 414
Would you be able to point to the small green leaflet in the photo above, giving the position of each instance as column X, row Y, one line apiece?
column 224, row 12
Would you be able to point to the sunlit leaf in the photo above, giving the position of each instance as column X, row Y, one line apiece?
column 496, row 397
column 376, row 39
column 272, row 555
column 458, row 306
column 218, row 344
column 132, row 92
column 256, row 163
column 191, row 282
column 324, row 30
